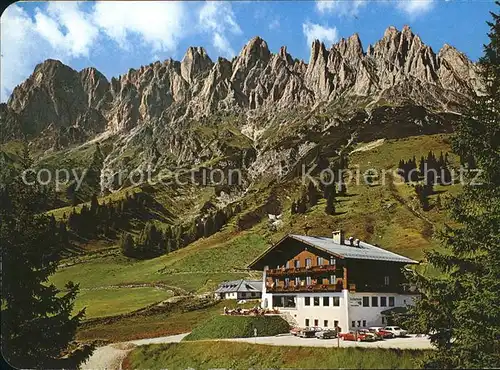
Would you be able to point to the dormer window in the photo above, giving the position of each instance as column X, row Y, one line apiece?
column 319, row 261
column 333, row 261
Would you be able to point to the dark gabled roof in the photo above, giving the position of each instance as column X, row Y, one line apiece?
column 364, row 251
column 242, row 286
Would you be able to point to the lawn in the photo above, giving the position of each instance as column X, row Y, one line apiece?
column 116, row 301
column 181, row 317
column 218, row 355
column 225, row 326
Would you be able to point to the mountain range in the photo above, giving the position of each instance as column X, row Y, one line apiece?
column 260, row 111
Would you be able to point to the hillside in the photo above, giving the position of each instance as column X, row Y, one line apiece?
column 261, row 122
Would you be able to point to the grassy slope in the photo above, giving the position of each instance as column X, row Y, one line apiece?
column 115, row 301
column 218, row 355
column 388, row 216
column 182, row 317
column 222, row 326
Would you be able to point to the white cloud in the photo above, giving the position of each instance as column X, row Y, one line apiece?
column 21, row 48
column 159, row 24
column 317, row 32
column 412, row 8
column 218, row 17
column 275, row 24
column 415, row 7
column 340, row 7
column 68, row 30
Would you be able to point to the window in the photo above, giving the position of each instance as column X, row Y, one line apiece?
column 252, row 294
column 332, row 261
column 297, row 281
column 383, row 320
column 307, row 322
column 386, row 280
column 308, row 262
column 286, row 301
column 366, row 301
column 336, row 323
column 353, row 324
column 316, row 322
column 276, row 281
column 326, row 301
column 287, row 281
column 316, row 301
column 308, row 280
column 296, row 263
column 336, row 301
column 287, row 264
column 319, row 261
column 364, row 323
column 374, row 301
column 325, row 323
column 359, row 323
column 333, row 279
column 391, row 301
column 383, row 301
column 307, row 301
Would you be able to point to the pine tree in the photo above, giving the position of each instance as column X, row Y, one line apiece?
column 127, row 245
column 94, row 204
column 330, row 204
column 312, row 195
column 37, row 326
column 460, row 308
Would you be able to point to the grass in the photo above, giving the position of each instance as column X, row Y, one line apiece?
column 378, row 214
column 116, row 301
column 181, row 317
column 218, row 355
column 225, row 326
column 195, row 268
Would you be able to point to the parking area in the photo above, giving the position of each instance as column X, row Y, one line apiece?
column 409, row 342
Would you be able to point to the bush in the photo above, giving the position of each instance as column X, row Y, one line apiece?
column 222, row 326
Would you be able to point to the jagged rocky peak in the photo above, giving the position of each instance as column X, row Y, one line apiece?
column 255, row 50
column 195, row 61
column 350, row 47
column 318, row 50
column 283, row 54
column 399, row 67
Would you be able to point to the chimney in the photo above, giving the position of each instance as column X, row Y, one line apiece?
column 356, row 242
column 338, row 237
column 351, row 240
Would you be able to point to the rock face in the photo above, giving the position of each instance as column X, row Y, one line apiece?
column 73, row 106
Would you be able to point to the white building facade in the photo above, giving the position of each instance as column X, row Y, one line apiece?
column 347, row 310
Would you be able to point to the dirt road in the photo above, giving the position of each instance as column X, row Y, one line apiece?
column 410, row 342
column 110, row 357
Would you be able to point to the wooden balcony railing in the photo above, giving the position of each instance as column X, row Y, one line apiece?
column 305, row 288
column 301, row 270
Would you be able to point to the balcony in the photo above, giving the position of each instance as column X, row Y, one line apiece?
column 301, row 270
column 403, row 288
column 304, row 288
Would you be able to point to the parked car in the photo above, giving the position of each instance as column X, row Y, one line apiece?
column 369, row 333
column 326, row 334
column 396, row 330
column 295, row 331
column 357, row 336
column 308, row 332
column 379, row 330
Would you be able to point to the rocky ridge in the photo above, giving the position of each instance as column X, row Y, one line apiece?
column 399, row 67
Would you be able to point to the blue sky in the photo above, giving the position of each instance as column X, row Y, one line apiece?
column 116, row 36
